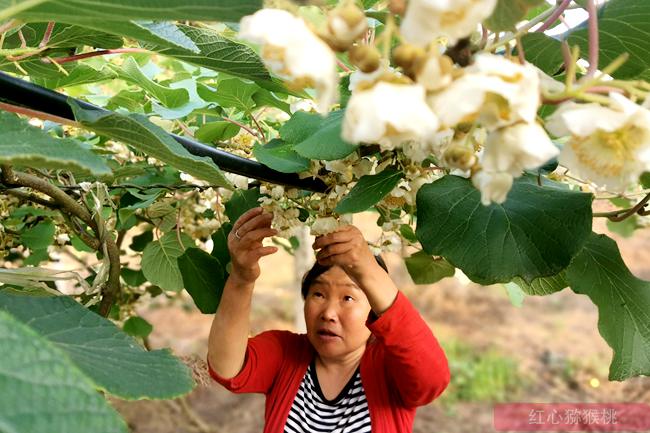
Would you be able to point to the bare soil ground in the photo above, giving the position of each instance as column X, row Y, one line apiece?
column 547, row 337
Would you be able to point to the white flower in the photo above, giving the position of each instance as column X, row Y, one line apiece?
column 435, row 73
column 494, row 186
column 515, row 148
column 239, row 182
column 302, row 105
column 389, row 114
column 293, row 51
column 493, row 91
column 608, row 146
column 359, row 78
column 426, row 20
column 324, row 225
column 346, row 24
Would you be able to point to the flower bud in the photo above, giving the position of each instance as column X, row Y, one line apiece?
column 458, row 156
column 365, row 57
column 345, row 24
column 398, row 7
column 409, row 58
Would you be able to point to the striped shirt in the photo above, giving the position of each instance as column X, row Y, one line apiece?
column 312, row 412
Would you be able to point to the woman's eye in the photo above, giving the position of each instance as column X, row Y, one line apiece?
column 317, row 295
column 348, row 298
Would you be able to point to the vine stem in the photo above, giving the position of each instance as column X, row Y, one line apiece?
column 242, row 126
column 47, row 35
column 73, row 208
column 82, row 56
column 520, row 31
column 594, row 45
column 38, row 114
column 621, row 214
column 554, row 16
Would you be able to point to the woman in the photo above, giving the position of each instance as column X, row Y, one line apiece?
column 368, row 359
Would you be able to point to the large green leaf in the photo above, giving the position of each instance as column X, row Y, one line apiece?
column 42, row 391
column 425, row 269
column 535, row 233
column 623, row 302
column 544, row 285
column 203, row 278
column 23, row 144
column 543, row 51
column 143, row 135
column 231, row 93
column 218, row 53
column 240, row 202
column 114, row 361
column 368, row 191
column 508, row 13
column 116, row 10
column 317, row 137
column 622, row 28
column 160, row 260
column 280, row 156
column 130, row 71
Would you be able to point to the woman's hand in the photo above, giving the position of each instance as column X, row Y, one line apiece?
column 245, row 244
column 347, row 248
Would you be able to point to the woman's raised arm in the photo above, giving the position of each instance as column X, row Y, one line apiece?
column 231, row 324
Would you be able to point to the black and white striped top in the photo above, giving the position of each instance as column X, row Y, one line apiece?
column 312, row 412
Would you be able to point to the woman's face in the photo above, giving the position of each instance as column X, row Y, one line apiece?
column 336, row 310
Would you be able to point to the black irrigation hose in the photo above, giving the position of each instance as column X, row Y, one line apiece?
column 18, row 92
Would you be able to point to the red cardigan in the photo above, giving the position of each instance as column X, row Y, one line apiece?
column 402, row 368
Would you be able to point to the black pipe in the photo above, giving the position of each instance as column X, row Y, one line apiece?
column 15, row 91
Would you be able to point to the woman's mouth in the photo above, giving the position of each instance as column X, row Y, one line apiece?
column 327, row 335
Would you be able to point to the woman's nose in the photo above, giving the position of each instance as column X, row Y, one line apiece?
column 329, row 312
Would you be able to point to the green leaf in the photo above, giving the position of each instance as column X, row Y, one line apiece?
column 280, row 156
column 159, row 260
column 216, row 131
column 543, row 51
column 203, row 278
column 219, row 54
column 240, row 202
column 264, row 98
column 317, row 137
column 625, row 228
column 368, row 191
column 79, row 245
column 38, row 237
column 130, row 71
column 515, row 294
column 43, row 390
column 231, row 93
column 623, row 302
column 508, row 13
column 77, row 75
column 23, row 144
column 424, row 269
column 622, row 28
column 119, row 10
column 220, row 243
column 114, row 361
column 143, row 135
column 62, row 36
column 141, row 241
column 535, row 233
column 132, row 277
column 36, row 257
column 645, row 179
column 137, row 327
column 544, row 285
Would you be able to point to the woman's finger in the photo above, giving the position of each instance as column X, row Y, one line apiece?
column 249, row 214
column 264, row 251
column 332, row 238
column 259, row 221
column 333, row 250
column 257, row 235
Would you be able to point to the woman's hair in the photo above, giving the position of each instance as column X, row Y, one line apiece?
column 318, row 269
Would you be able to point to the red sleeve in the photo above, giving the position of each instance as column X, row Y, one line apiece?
column 415, row 362
column 264, row 355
